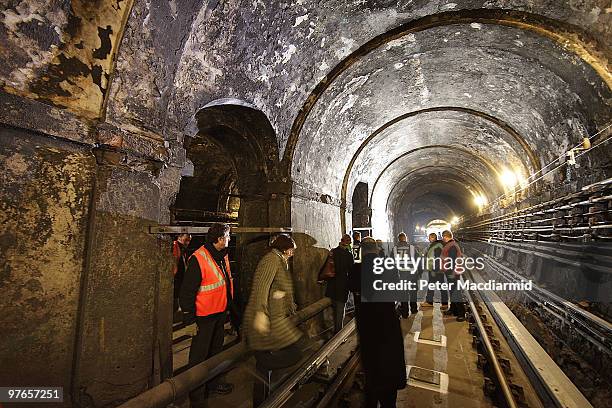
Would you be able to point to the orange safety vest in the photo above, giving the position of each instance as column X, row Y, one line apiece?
column 212, row 294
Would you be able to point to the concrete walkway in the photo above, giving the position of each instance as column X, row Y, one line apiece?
column 441, row 363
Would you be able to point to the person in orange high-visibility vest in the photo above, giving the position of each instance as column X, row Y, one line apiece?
column 206, row 297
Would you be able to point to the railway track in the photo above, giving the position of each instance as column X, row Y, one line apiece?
column 282, row 396
column 594, row 329
column 518, row 372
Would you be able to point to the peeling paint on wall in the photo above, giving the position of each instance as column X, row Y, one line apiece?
column 71, row 70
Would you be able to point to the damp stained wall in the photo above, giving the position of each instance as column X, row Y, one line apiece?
column 46, row 189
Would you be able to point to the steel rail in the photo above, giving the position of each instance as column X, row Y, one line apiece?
column 595, row 329
column 554, row 387
column 349, row 367
column 499, row 373
column 551, row 253
column 285, row 391
column 169, row 390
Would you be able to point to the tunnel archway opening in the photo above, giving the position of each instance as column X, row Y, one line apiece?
column 234, row 157
column 415, row 214
column 437, row 226
column 427, row 183
column 361, row 216
column 210, row 193
column 389, row 97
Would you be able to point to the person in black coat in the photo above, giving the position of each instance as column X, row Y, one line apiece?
column 381, row 340
column 337, row 287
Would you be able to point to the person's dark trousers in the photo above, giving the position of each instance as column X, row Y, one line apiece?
column 457, row 307
column 206, row 343
column 408, row 308
column 436, row 277
column 177, row 315
column 387, row 399
column 404, row 309
column 338, row 307
column 175, row 307
column 411, row 307
column 272, row 367
column 357, row 303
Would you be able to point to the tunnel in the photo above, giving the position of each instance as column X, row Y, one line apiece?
column 127, row 123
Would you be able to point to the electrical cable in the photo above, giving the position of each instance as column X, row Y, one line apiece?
column 553, row 162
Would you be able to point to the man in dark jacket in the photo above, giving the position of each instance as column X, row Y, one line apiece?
column 433, row 265
column 381, row 344
column 450, row 253
column 206, row 297
column 337, row 287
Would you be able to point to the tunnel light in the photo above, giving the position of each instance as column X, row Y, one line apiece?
column 586, row 143
column 508, row 178
column 454, row 220
column 480, row 200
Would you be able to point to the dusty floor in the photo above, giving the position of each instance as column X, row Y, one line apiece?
column 444, row 346
column 441, row 363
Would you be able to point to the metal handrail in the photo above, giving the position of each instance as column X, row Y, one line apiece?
column 284, row 392
column 169, row 390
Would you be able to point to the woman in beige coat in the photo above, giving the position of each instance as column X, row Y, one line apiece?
column 268, row 330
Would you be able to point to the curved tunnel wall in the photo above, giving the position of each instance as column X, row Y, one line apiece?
column 517, row 98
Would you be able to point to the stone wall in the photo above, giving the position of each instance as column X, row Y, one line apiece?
column 46, row 188
column 87, row 291
column 125, row 338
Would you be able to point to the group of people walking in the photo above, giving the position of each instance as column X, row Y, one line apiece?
column 206, row 298
column 444, row 249
column 378, row 323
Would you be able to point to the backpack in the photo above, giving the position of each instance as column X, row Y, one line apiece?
column 328, row 271
column 444, row 255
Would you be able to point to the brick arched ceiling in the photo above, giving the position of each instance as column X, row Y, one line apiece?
column 515, row 82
